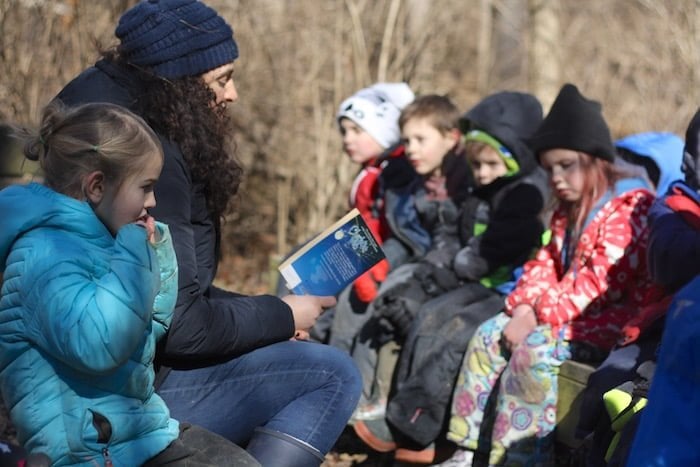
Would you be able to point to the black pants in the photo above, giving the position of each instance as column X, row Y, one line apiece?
column 11, row 455
column 432, row 356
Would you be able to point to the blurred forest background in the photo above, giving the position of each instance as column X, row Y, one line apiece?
column 300, row 58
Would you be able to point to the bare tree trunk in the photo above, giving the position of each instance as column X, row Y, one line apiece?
column 284, row 194
column 418, row 14
column 359, row 45
column 544, row 64
column 386, row 40
column 483, row 59
column 694, row 47
column 509, row 51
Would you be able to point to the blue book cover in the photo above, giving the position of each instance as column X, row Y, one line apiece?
column 333, row 259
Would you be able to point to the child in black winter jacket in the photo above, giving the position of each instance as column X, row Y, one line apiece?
column 435, row 311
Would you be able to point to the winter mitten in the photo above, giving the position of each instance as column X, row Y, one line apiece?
column 436, row 280
column 400, row 305
column 365, row 287
column 380, row 270
column 445, row 278
column 399, row 316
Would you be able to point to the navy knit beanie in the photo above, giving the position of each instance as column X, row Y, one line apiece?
column 574, row 123
column 175, row 38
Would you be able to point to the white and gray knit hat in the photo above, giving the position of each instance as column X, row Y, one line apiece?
column 376, row 110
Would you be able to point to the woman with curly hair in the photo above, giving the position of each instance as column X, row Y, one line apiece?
column 229, row 362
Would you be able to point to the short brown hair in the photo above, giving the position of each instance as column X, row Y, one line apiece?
column 439, row 110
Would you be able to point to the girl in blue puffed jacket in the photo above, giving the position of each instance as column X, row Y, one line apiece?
column 90, row 282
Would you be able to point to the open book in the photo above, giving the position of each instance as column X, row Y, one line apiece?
column 333, row 259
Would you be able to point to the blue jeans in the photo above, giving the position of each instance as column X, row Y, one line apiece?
column 303, row 389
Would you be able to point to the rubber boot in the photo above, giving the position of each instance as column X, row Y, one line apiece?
column 276, row 449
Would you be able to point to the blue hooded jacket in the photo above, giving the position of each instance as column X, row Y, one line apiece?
column 665, row 150
column 667, row 433
column 80, row 314
column 674, row 245
column 673, row 255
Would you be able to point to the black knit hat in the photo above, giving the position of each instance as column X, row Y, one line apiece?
column 175, row 38
column 574, row 123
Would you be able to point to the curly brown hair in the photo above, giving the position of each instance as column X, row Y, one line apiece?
column 182, row 109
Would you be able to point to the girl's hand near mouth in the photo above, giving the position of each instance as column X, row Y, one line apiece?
column 149, row 223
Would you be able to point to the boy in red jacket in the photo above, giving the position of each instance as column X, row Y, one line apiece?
column 369, row 126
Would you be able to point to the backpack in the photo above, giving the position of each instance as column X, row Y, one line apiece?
column 624, row 405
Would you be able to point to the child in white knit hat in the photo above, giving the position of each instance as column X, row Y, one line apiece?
column 369, row 126
column 374, row 112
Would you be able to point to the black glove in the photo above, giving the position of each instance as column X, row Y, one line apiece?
column 400, row 305
column 435, row 280
column 445, row 278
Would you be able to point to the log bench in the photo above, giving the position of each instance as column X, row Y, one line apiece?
column 572, row 380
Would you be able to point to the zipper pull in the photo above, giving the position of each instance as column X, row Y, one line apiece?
column 108, row 458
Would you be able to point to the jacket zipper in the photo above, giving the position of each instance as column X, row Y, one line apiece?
column 107, row 457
